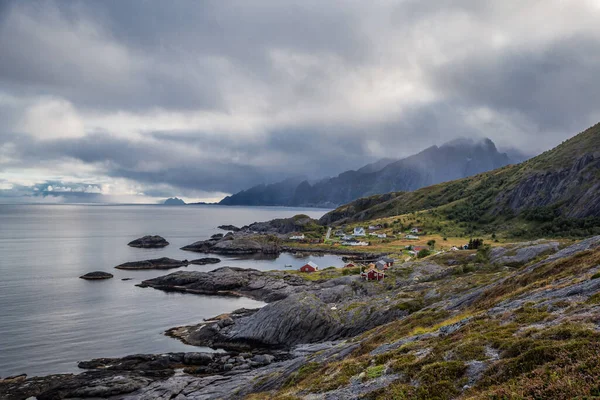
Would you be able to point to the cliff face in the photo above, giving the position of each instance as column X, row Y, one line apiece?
column 577, row 187
column 453, row 160
column 561, row 183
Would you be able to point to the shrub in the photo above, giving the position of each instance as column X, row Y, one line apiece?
column 423, row 253
column 351, row 271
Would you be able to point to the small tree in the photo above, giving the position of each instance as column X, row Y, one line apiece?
column 431, row 244
column 423, row 253
column 483, row 253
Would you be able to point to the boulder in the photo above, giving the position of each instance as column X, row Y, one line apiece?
column 149, row 242
column 96, row 275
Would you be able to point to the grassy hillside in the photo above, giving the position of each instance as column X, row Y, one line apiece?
column 555, row 193
column 482, row 332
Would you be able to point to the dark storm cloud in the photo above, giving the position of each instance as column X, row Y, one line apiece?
column 219, row 96
column 555, row 86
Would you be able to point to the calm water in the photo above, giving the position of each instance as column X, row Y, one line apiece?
column 50, row 319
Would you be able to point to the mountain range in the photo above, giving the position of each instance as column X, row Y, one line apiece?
column 555, row 193
column 453, row 160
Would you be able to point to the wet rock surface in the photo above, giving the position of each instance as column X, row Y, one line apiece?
column 96, row 275
column 157, row 263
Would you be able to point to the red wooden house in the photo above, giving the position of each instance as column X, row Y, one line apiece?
column 373, row 274
column 309, row 267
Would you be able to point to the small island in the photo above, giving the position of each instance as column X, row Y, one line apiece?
column 96, row 275
column 149, row 242
column 157, row 263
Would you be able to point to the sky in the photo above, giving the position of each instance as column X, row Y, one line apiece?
column 136, row 101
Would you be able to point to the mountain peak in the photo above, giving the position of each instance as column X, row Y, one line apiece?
column 174, row 201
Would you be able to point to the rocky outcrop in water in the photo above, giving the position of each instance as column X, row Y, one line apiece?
column 149, row 242
column 237, row 244
column 259, row 285
column 96, row 275
column 205, row 261
column 116, row 377
column 157, row 263
column 231, row 228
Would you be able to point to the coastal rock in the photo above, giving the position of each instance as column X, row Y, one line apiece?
column 157, row 263
column 206, row 260
column 284, row 226
column 300, row 318
column 237, row 244
column 246, row 245
column 149, row 242
column 265, row 286
column 231, row 228
column 96, row 275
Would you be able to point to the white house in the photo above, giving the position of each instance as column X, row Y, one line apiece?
column 453, row 248
column 297, row 237
column 381, row 235
column 359, row 231
column 416, row 230
column 412, row 237
column 347, row 237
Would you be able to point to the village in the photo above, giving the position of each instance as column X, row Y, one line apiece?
column 374, row 236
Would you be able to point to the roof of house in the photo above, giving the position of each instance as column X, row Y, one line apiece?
column 387, row 259
column 312, row 264
column 380, row 262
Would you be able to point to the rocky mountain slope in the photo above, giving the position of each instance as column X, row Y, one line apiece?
column 453, row 160
column 555, row 192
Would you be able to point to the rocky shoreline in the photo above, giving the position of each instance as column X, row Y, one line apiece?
column 312, row 323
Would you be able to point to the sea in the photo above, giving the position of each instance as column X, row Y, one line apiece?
column 50, row 319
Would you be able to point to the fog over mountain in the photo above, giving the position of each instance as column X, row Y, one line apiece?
column 142, row 101
column 456, row 159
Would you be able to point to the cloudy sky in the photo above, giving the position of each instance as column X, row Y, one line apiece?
column 134, row 101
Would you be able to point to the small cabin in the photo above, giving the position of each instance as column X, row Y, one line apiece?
column 309, row 267
column 381, row 265
column 350, row 265
column 412, row 237
column 373, row 275
column 416, row 230
column 297, row 237
column 389, row 261
column 453, row 248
